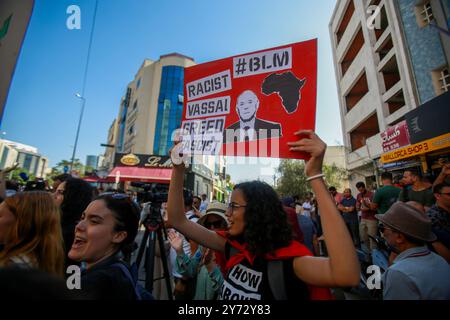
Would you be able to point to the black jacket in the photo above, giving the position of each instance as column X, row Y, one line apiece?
column 107, row 282
column 259, row 125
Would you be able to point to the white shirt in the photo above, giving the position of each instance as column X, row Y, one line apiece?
column 307, row 209
column 251, row 132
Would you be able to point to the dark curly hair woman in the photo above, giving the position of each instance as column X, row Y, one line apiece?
column 261, row 260
column 72, row 196
column 267, row 226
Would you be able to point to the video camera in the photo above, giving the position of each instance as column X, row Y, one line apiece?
column 151, row 198
column 38, row 184
column 154, row 192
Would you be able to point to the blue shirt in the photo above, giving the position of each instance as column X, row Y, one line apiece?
column 349, row 216
column 440, row 222
column 417, row 274
column 308, row 230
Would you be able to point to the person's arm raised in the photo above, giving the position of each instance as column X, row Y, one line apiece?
column 3, row 174
column 442, row 175
column 341, row 268
column 177, row 218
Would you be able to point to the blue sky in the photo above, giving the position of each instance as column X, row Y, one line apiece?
column 42, row 109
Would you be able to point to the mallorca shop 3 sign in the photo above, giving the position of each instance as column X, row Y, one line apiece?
column 423, row 147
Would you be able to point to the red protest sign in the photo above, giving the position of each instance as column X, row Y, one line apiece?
column 251, row 104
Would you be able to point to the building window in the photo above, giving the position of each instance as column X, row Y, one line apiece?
column 170, row 108
column 138, row 83
column 427, row 13
column 4, row 157
column 135, row 104
column 27, row 162
column 441, row 80
column 444, row 80
column 424, row 13
column 131, row 130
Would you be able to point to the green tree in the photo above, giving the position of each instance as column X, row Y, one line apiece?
column 335, row 176
column 15, row 175
column 59, row 168
column 292, row 179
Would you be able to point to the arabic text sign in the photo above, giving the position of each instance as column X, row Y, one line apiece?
column 395, row 137
column 251, row 105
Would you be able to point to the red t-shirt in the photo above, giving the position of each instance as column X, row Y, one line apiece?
column 364, row 201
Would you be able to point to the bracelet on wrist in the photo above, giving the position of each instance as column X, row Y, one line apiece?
column 317, row 176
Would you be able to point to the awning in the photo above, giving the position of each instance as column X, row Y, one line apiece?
column 159, row 175
column 91, row 179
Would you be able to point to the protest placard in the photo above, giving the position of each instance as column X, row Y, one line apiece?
column 251, row 104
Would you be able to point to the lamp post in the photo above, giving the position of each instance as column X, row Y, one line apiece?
column 81, row 96
column 83, row 102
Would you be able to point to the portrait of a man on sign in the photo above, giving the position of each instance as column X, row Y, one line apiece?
column 251, row 104
column 250, row 127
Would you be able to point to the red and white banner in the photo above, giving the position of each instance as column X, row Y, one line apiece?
column 395, row 137
column 251, row 105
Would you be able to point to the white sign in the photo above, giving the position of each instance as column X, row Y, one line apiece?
column 207, row 108
column 207, row 86
column 267, row 61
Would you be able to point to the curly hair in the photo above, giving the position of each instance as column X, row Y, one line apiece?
column 266, row 224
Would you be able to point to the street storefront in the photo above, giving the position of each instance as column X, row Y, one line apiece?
column 140, row 168
column 424, row 142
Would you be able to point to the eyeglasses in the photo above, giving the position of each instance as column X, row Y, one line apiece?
column 383, row 228
column 61, row 192
column 233, row 206
column 216, row 224
column 446, row 193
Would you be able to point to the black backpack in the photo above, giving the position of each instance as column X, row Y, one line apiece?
column 140, row 291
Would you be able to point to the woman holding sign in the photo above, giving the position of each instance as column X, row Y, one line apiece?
column 262, row 262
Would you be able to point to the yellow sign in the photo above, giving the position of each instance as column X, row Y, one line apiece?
column 130, row 160
column 423, row 147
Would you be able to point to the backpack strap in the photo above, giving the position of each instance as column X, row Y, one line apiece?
column 127, row 274
column 231, row 252
column 275, row 274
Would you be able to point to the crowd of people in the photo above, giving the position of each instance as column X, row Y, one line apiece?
column 258, row 246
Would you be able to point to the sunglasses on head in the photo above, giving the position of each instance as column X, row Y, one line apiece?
column 121, row 196
column 117, row 196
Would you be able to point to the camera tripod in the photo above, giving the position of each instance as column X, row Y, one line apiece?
column 154, row 228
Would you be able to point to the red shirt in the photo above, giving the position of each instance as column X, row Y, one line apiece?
column 292, row 218
column 364, row 201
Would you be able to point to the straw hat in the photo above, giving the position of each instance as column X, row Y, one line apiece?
column 216, row 208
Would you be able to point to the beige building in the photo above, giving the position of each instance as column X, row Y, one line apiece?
column 385, row 67
column 335, row 155
column 150, row 111
column 108, row 161
column 152, row 105
column 26, row 156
